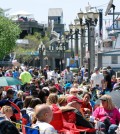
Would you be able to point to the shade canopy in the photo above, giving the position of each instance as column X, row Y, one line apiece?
column 7, row 81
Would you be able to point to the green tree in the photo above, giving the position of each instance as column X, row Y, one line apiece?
column 9, row 32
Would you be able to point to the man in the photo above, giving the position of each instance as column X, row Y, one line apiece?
column 68, row 75
column 54, row 75
column 25, row 76
column 44, row 116
column 97, row 82
column 75, row 116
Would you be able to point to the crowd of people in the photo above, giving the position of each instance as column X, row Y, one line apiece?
column 53, row 102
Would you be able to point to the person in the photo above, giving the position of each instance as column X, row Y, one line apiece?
column 1, row 72
column 10, row 94
column 19, row 100
column 53, row 89
column 107, row 81
column 110, row 71
column 75, row 116
column 7, row 111
column 6, row 127
column 54, row 75
column 30, row 109
column 117, row 85
column 68, row 75
column 44, row 116
column 97, row 78
column 25, row 77
column 43, row 95
column 62, row 100
column 86, row 106
column 97, row 82
column 16, row 73
column 74, row 91
column 52, row 101
column 113, row 81
column 107, row 115
column 27, row 101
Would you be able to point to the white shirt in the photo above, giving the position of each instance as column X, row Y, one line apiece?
column 48, row 75
column 54, row 75
column 45, row 128
column 68, row 76
column 97, row 79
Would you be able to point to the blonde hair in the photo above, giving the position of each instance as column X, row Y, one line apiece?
column 62, row 99
column 110, row 104
column 5, row 109
column 52, row 99
column 20, row 94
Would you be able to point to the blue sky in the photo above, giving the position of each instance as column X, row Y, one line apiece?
column 39, row 8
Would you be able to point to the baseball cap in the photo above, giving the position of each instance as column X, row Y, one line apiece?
column 10, row 91
column 74, row 98
column 96, row 69
column 104, row 98
column 104, row 69
column 74, row 89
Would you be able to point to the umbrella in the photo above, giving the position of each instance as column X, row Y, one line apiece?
column 7, row 81
column 115, row 95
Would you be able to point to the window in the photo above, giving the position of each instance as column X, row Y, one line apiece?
column 114, row 59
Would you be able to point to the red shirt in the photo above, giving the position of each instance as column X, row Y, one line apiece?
column 84, row 105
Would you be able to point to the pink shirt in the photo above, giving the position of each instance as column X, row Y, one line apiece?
column 102, row 113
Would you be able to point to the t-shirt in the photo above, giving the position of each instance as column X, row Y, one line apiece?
column 25, row 77
column 97, row 78
column 86, row 106
column 102, row 113
column 45, row 128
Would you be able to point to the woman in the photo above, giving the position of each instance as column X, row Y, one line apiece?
column 113, row 80
column 107, row 114
column 7, row 111
column 86, row 106
column 52, row 100
column 27, row 101
column 62, row 100
column 30, row 108
column 43, row 95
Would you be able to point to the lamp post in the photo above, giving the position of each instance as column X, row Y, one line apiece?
column 90, row 22
column 41, row 49
column 71, row 38
column 74, row 30
column 46, row 60
column 61, row 49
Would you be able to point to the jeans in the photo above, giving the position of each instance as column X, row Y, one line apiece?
column 111, row 129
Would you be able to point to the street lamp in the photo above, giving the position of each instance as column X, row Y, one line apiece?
column 90, row 20
column 71, row 37
column 46, row 60
column 74, row 30
column 41, row 49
